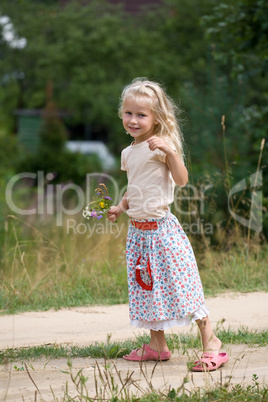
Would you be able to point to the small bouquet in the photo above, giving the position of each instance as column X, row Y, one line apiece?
column 100, row 204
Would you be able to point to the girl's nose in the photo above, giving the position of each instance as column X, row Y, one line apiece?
column 133, row 119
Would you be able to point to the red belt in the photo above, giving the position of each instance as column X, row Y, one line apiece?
column 145, row 225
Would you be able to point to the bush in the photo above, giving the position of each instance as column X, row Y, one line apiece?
column 53, row 157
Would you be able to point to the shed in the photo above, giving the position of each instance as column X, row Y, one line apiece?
column 29, row 123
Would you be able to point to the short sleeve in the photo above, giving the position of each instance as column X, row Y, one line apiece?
column 160, row 155
column 123, row 161
column 170, row 143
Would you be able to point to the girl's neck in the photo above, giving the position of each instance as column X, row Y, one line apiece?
column 138, row 141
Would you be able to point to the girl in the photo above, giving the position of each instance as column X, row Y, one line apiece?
column 163, row 280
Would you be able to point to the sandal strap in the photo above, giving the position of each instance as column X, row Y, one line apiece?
column 206, row 360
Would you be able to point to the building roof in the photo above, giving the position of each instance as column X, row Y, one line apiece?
column 131, row 6
column 135, row 6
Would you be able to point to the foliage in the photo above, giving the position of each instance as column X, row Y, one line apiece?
column 105, row 48
column 107, row 378
column 205, row 54
column 53, row 134
column 243, row 24
column 8, row 152
column 100, row 205
column 45, row 266
column 226, row 392
column 88, row 64
column 66, row 166
column 240, row 34
column 8, row 157
column 113, row 350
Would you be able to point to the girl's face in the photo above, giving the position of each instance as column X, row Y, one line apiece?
column 138, row 119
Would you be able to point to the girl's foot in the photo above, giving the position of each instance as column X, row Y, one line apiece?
column 210, row 342
column 210, row 361
column 211, row 358
column 213, row 345
column 145, row 353
column 153, row 347
column 157, row 349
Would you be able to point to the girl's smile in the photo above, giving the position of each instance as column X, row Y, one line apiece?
column 138, row 119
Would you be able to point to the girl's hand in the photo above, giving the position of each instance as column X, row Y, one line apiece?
column 158, row 143
column 113, row 213
column 175, row 165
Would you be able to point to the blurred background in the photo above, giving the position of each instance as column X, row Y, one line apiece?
column 63, row 65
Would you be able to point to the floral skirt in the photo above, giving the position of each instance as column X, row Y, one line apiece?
column 163, row 279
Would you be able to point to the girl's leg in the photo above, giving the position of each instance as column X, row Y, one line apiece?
column 157, row 342
column 209, row 340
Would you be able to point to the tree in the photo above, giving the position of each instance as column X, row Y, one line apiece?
column 241, row 31
column 88, row 53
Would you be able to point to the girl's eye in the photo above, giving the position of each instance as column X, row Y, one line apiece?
column 142, row 115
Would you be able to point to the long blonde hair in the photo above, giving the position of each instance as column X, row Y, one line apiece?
column 163, row 108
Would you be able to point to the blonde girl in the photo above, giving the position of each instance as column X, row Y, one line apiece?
column 164, row 285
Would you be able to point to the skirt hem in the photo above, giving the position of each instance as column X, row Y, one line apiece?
column 166, row 324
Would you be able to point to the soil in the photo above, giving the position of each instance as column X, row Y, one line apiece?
column 46, row 379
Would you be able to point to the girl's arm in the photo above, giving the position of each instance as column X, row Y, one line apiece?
column 175, row 165
column 177, row 168
column 115, row 211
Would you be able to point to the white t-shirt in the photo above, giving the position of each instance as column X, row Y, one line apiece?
column 150, row 184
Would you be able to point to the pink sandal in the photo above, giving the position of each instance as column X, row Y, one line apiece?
column 147, row 354
column 210, row 361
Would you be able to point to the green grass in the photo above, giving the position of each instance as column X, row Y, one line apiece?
column 44, row 267
column 220, row 393
column 228, row 392
column 235, row 270
column 68, row 293
column 112, row 350
column 111, row 385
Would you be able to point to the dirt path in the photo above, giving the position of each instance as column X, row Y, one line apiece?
column 81, row 326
